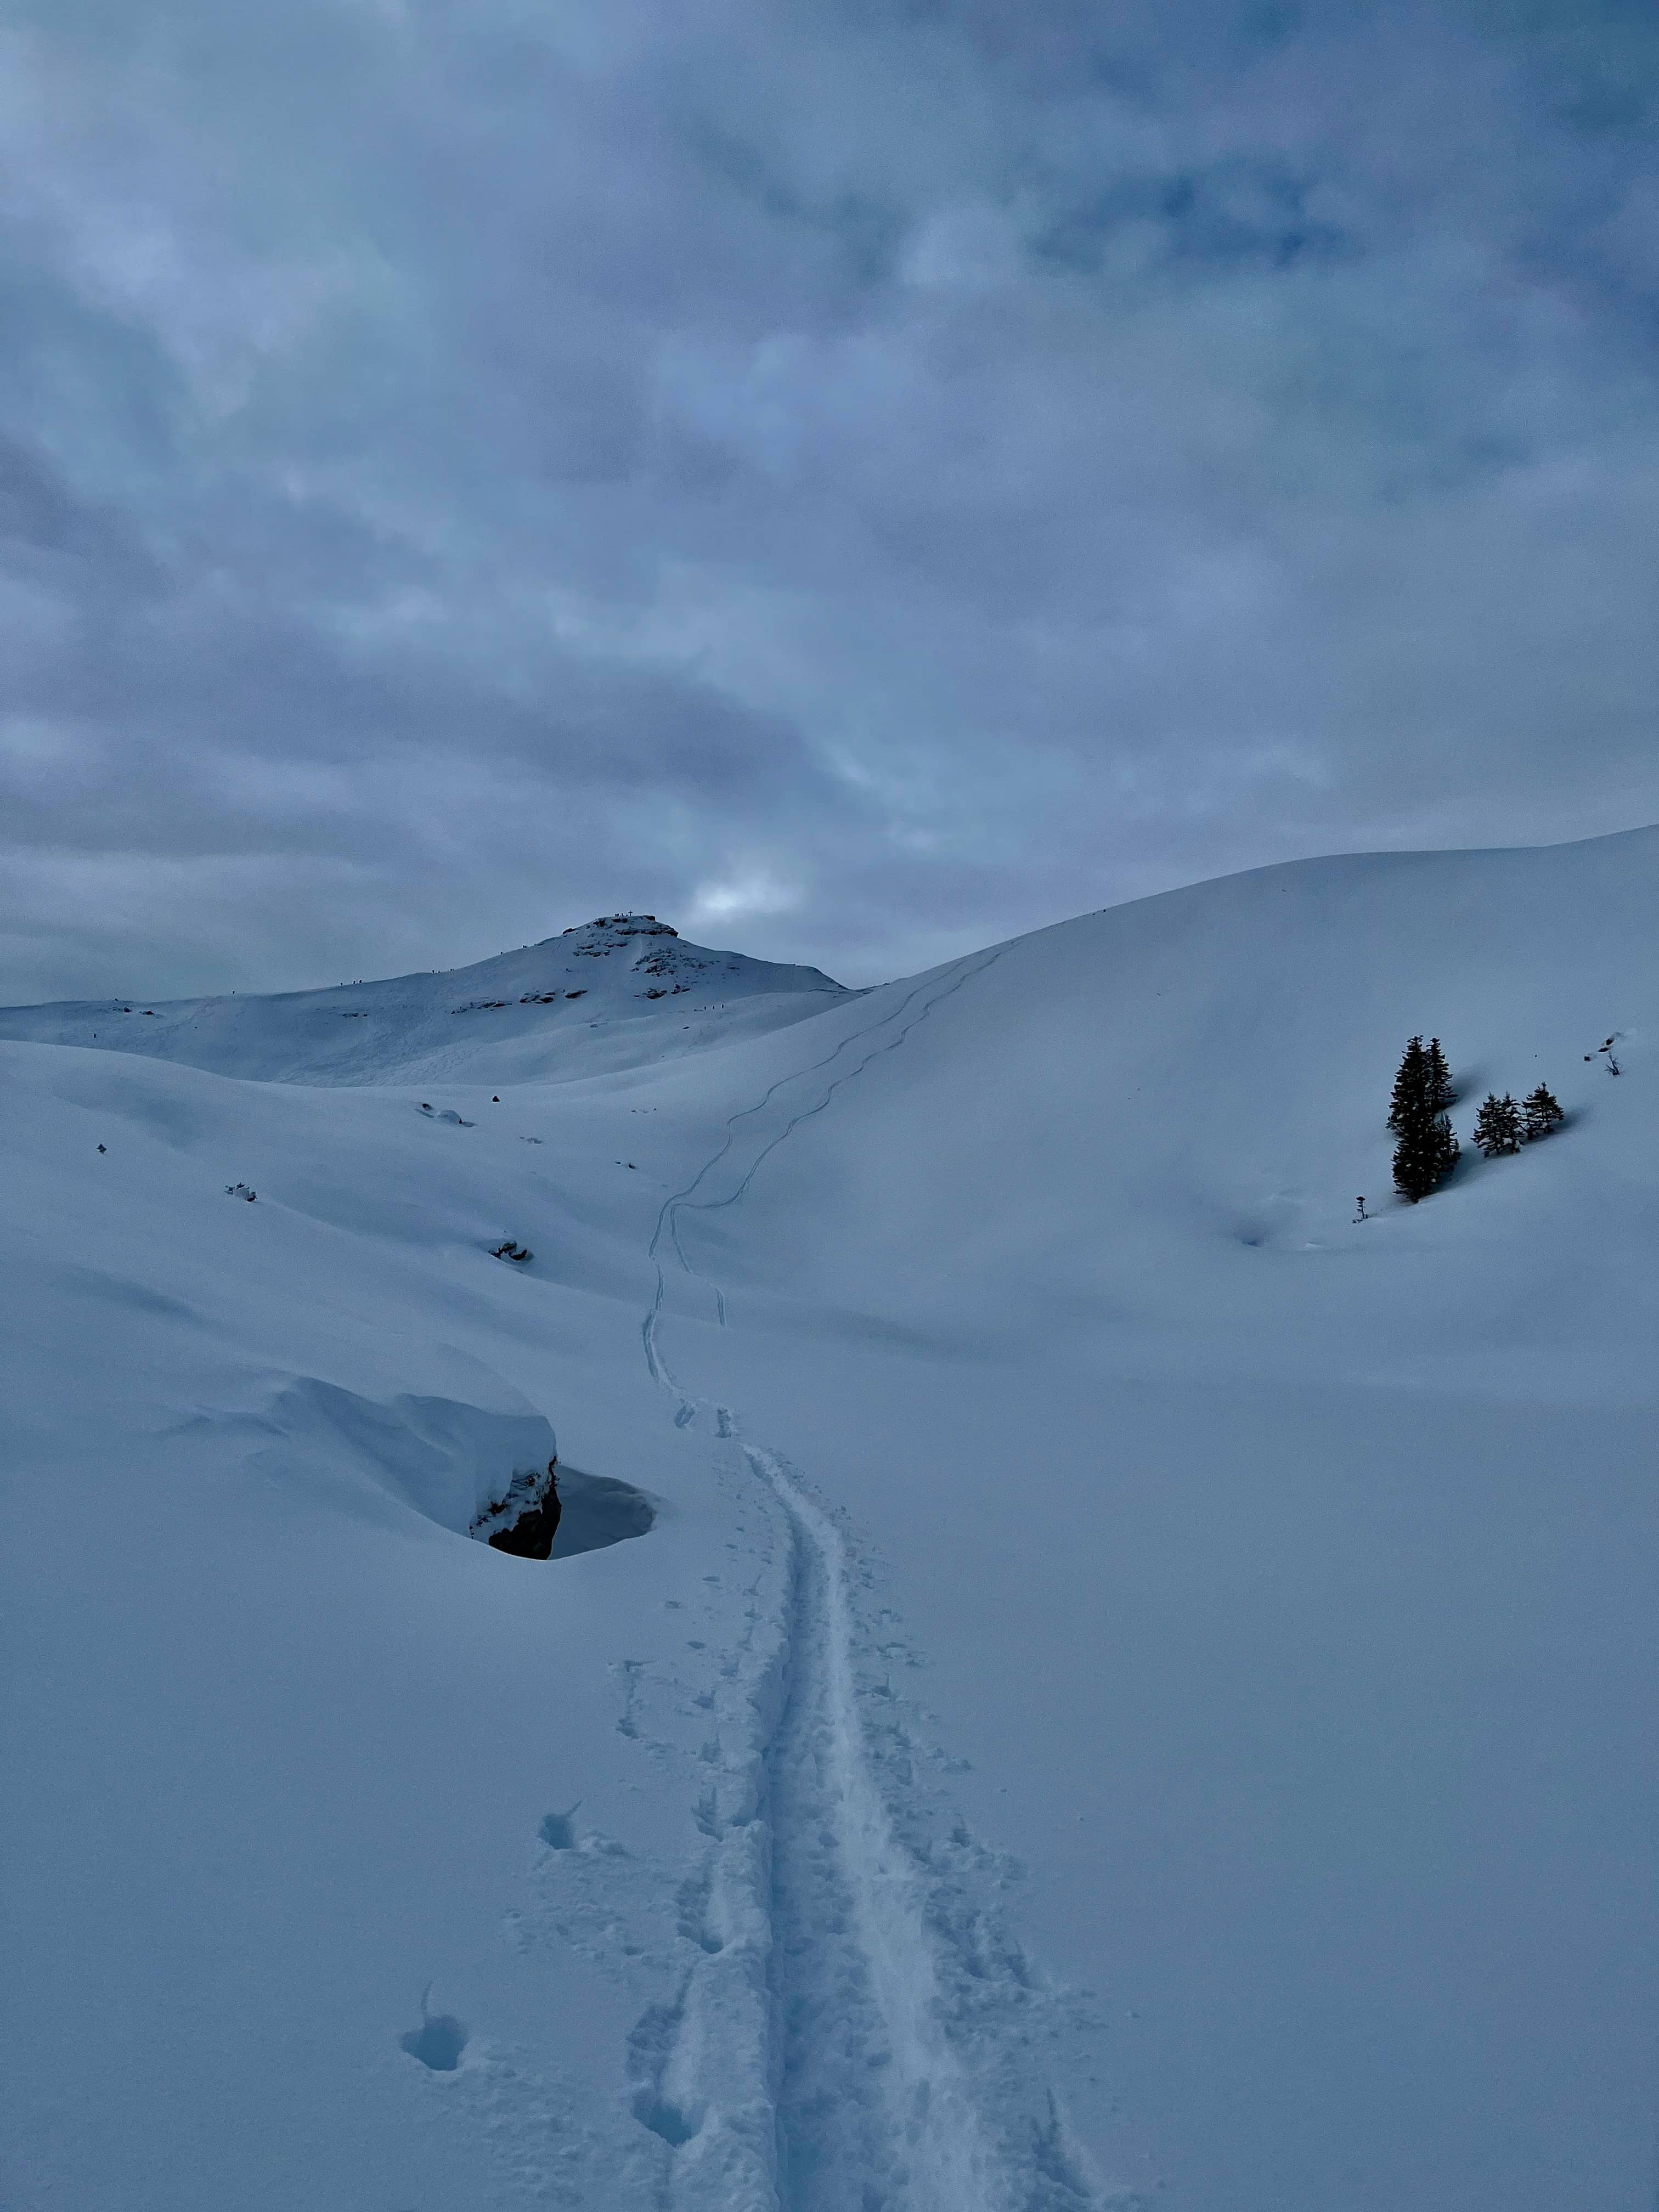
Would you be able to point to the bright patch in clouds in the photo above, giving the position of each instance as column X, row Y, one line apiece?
column 743, row 896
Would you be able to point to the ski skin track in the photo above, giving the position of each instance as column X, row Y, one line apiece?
column 871, row 2111
column 834, row 1847
column 668, row 1216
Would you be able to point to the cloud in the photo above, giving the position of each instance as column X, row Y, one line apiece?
column 873, row 479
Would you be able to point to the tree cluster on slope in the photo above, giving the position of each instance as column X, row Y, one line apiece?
column 1504, row 1126
column 1497, row 1125
column 1426, row 1147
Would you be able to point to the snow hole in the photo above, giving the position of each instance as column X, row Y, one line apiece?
column 598, row 1510
column 439, row 2041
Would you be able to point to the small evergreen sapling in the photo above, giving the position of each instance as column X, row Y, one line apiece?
column 1497, row 1125
column 1543, row 1113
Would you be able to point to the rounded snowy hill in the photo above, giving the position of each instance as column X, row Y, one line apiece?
column 608, row 994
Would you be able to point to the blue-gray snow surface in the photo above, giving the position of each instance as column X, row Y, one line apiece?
column 1122, row 1683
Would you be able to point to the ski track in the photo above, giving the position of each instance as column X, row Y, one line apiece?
column 856, row 2030
column 668, row 1217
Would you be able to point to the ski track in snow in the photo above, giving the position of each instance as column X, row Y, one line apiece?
column 668, row 1219
column 857, row 2030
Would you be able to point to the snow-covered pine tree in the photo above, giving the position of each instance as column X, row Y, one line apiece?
column 1497, row 1125
column 1410, row 1086
column 1427, row 1150
column 1425, row 1154
column 1543, row 1113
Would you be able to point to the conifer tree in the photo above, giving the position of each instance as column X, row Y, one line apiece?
column 1497, row 1125
column 1410, row 1086
column 1427, row 1150
column 1543, row 1112
column 1441, row 1093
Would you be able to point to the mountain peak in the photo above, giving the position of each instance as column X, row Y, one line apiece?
column 618, row 925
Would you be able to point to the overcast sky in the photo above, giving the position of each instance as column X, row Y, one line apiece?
column 856, row 479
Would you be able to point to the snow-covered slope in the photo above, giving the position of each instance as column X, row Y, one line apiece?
column 1138, row 1686
column 609, row 993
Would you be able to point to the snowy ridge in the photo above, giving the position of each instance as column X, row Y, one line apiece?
column 609, row 993
column 886, row 2007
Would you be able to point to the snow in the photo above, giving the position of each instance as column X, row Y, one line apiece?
column 607, row 994
column 1106, row 1680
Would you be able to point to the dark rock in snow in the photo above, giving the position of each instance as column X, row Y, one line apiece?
column 528, row 1515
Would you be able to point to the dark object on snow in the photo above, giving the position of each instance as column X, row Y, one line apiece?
column 536, row 1520
column 495, row 1100
column 1497, row 1125
column 232, row 1189
column 1427, row 1149
column 100, row 1148
column 1361, row 1215
column 439, row 2041
column 529, row 1534
column 1605, row 1052
column 1543, row 1112
column 510, row 1251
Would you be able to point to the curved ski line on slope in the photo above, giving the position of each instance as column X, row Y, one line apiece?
column 668, row 1215
column 712, row 1205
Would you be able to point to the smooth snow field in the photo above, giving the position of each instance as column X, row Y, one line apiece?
column 1078, row 1674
